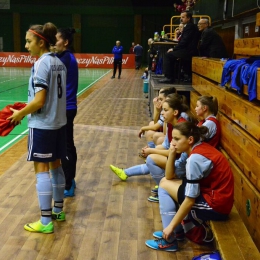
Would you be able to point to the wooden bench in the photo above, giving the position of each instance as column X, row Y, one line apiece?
column 232, row 239
column 239, row 237
column 214, row 72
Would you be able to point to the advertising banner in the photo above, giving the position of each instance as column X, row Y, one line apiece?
column 23, row 59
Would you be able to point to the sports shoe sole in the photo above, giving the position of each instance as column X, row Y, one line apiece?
column 152, row 199
column 29, row 228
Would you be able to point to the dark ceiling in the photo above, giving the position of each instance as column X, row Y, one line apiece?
column 152, row 3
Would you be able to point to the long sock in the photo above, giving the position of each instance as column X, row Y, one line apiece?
column 140, row 169
column 168, row 209
column 44, row 191
column 157, row 173
column 151, row 144
column 58, row 185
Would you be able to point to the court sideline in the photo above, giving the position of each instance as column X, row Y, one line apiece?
column 108, row 218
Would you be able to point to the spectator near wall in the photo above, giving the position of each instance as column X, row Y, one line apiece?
column 138, row 51
column 185, row 49
column 210, row 44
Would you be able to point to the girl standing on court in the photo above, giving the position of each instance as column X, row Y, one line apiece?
column 205, row 193
column 64, row 49
column 46, row 112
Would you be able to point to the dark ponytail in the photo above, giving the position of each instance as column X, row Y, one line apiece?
column 67, row 34
column 210, row 102
column 189, row 129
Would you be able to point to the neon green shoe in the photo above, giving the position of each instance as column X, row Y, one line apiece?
column 119, row 172
column 155, row 189
column 58, row 216
column 39, row 227
column 154, row 198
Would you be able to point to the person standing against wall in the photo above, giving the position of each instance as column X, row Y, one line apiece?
column 64, row 49
column 210, row 44
column 138, row 51
column 118, row 55
column 131, row 50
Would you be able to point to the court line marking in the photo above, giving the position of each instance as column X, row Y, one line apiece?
column 14, row 139
column 13, row 101
column 7, row 80
column 93, row 83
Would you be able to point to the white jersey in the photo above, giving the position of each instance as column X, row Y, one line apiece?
column 48, row 73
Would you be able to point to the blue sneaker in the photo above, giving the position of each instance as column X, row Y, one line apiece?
column 180, row 236
column 70, row 192
column 162, row 245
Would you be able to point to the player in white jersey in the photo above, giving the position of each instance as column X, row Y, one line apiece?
column 46, row 111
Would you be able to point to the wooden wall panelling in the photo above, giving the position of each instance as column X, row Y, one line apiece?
column 76, row 21
column 194, row 95
column 257, row 19
column 209, row 68
column 250, row 30
column 242, row 149
column 247, row 46
column 193, row 101
column 228, row 37
column 245, row 114
column 245, row 191
column 17, row 32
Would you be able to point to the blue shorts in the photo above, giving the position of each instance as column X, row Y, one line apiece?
column 46, row 145
column 200, row 211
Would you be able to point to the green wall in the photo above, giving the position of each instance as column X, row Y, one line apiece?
column 6, row 31
column 105, row 21
column 215, row 8
column 102, row 21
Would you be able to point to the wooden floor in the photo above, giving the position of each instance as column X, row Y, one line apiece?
column 107, row 219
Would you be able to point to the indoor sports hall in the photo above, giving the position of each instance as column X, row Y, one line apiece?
column 111, row 219
column 107, row 218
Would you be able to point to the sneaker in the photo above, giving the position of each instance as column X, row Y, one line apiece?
column 162, row 244
column 119, row 172
column 155, row 189
column 180, row 236
column 154, row 198
column 58, row 216
column 70, row 192
column 39, row 227
column 209, row 234
column 112, row 77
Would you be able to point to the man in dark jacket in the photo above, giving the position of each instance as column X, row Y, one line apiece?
column 138, row 51
column 211, row 44
column 185, row 49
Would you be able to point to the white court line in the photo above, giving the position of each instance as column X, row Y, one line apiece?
column 7, row 80
column 3, row 147
column 93, row 83
column 13, row 101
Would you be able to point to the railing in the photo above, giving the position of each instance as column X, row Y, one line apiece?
column 170, row 29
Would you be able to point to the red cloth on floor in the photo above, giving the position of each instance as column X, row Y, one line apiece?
column 5, row 126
